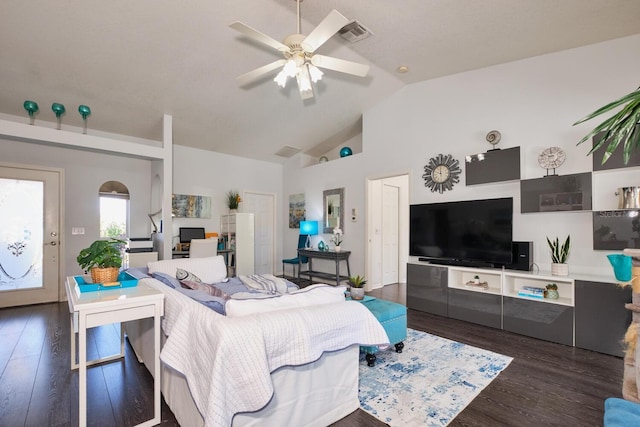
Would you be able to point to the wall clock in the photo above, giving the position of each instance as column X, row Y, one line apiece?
column 551, row 158
column 441, row 173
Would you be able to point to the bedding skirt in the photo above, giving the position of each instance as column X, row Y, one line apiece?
column 316, row 394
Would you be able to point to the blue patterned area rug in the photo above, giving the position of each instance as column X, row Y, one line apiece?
column 429, row 383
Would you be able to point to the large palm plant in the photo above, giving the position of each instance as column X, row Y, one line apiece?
column 621, row 127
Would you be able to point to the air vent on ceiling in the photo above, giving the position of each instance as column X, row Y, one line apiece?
column 354, row 32
column 287, row 151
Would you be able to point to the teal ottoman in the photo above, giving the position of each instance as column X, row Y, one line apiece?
column 393, row 318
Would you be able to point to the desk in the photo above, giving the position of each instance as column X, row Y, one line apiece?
column 328, row 255
column 91, row 309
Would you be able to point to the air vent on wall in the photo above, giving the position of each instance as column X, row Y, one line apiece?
column 354, row 32
column 287, row 151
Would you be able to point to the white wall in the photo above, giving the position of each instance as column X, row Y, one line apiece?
column 206, row 173
column 532, row 102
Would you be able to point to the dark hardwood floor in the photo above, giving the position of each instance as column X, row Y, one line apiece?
column 546, row 384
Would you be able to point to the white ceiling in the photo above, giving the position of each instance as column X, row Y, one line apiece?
column 133, row 61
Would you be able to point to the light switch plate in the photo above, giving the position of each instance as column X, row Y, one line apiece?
column 77, row 230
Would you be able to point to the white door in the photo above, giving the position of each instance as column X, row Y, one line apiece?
column 29, row 235
column 390, row 229
column 262, row 206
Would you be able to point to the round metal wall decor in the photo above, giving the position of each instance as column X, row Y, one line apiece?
column 441, row 173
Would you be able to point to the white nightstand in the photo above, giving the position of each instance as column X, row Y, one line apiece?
column 91, row 309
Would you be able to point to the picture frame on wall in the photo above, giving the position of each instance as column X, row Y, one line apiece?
column 297, row 210
column 188, row 206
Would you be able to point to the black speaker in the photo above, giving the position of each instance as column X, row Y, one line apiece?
column 522, row 256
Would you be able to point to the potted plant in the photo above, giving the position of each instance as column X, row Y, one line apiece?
column 356, row 284
column 552, row 291
column 621, row 127
column 559, row 255
column 233, row 200
column 102, row 259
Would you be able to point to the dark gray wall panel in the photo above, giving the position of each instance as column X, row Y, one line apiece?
column 427, row 288
column 556, row 193
column 546, row 321
column 601, row 319
column 483, row 309
column 496, row 166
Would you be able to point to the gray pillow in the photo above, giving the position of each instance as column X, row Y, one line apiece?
column 184, row 275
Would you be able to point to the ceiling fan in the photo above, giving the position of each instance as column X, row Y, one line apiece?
column 300, row 60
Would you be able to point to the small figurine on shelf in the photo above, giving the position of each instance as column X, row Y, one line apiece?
column 552, row 291
column 476, row 280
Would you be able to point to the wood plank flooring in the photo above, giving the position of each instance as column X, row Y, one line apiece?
column 546, row 384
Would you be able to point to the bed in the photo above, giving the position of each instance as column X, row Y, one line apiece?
column 284, row 360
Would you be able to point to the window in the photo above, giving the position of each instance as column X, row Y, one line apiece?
column 114, row 210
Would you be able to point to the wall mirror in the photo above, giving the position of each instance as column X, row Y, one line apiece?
column 333, row 210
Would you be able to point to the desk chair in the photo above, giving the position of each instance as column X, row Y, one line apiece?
column 302, row 241
column 203, row 248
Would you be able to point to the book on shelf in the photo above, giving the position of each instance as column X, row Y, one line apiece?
column 533, row 289
column 531, row 295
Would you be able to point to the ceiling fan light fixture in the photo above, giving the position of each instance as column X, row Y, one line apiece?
column 304, row 80
column 290, row 68
column 315, row 72
column 281, row 78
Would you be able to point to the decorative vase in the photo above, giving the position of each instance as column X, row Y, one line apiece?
column 232, row 211
column 559, row 269
column 337, row 248
column 357, row 293
column 552, row 294
column 321, row 245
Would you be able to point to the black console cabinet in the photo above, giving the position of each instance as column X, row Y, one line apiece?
column 427, row 288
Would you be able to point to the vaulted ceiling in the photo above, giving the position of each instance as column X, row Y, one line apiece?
column 133, row 61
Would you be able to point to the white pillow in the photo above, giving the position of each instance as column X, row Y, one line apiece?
column 209, row 270
column 309, row 296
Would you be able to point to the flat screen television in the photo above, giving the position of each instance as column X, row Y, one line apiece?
column 188, row 233
column 473, row 232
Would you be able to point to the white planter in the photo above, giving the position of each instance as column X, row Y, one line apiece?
column 337, row 249
column 560, row 269
column 357, row 293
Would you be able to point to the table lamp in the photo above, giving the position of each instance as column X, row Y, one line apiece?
column 310, row 228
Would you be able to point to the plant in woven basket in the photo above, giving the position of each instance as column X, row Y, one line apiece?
column 103, row 259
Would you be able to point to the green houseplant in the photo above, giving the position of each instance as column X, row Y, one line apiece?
column 551, row 291
column 559, row 256
column 233, row 199
column 356, row 283
column 103, row 259
column 621, row 127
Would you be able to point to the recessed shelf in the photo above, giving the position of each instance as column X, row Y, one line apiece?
column 460, row 276
column 513, row 283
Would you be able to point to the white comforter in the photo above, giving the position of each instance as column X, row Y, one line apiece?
column 228, row 361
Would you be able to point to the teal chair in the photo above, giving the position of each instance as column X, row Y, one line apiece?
column 302, row 241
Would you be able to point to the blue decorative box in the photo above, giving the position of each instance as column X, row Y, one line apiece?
column 125, row 279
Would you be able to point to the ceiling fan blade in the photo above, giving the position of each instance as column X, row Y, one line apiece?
column 258, row 36
column 330, row 25
column 340, row 65
column 259, row 72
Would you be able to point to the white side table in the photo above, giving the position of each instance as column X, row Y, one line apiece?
column 91, row 309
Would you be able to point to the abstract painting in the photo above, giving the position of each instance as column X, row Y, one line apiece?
column 185, row 206
column 297, row 211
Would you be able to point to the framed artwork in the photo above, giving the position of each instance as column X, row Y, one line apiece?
column 297, row 210
column 186, row 206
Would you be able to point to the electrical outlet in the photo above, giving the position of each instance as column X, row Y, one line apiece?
column 77, row 230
